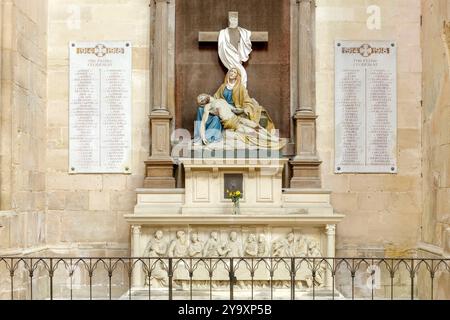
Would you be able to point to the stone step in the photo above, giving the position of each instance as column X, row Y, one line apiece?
column 238, row 294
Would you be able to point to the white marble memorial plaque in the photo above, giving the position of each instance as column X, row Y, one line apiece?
column 366, row 107
column 100, row 107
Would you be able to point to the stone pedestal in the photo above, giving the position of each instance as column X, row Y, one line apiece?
column 160, row 167
column 305, row 165
column 305, row 174
column 159, row 174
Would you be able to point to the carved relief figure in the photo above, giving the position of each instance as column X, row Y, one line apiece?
column 301, row 248
column 314, row 252
column 262, row 246
column 212, row 246
column 284, row 247
column 179, row 246
column 233, row 247
column 277, row 248
column 251, row 247
column 196, row 246
column 157, row 248
column 313, row 249
column 290, row 245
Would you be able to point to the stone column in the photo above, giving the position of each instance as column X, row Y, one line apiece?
column 160, row 168
column 331, row 238
column 136, row 280
column 306, row 165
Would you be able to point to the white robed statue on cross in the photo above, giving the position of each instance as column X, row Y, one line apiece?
column 235, row 46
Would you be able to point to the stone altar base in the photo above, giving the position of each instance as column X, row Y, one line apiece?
column 198, row 222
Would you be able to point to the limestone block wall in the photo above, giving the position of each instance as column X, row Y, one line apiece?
column 86, row 211
column 382, row 211
column 23, row 123
column 436, row 116
column 435, row 236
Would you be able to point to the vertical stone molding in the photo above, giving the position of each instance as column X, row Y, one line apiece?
column 305, row 165
column 136, row 252
column 160, row 57
column 306, row 10
column 160, row 168
column 330, row 231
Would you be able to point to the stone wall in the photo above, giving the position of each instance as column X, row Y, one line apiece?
column 382, row 211
column 86, row 211
column 436, row 116
column 435, row 236
column 23, row 124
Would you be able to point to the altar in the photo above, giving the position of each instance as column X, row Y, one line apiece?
column 233, row 186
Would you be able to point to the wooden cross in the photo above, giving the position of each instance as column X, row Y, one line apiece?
column 234, row 35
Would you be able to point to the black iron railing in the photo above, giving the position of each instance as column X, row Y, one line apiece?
column 222, row 278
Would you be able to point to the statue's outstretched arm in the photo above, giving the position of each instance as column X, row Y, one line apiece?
column 203, row 124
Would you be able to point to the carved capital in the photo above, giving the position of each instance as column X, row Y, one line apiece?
column 312, row 2
column 330, row 229
column 251, row 172
column 215, row 172
column 136, row 229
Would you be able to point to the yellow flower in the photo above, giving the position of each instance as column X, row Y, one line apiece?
column 238, row 193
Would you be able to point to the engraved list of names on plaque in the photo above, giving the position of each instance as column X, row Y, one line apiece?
column 366, row 107
column 100, row 107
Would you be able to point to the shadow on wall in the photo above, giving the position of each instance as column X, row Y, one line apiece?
column 447, row 40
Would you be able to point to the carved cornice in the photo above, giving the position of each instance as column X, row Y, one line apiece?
column 242, row 220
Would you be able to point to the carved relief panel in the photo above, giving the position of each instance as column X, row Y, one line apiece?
column 207, row 253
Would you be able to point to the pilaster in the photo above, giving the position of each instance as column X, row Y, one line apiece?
column 331, row 247
column 160, row 167
column 306, row 164
column 136, row 252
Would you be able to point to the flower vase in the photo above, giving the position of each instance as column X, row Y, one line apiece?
column 236, row 208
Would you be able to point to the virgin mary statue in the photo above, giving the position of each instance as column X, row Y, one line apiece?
column 236, row 94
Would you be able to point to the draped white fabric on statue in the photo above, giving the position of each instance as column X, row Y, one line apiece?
column 232, row 57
